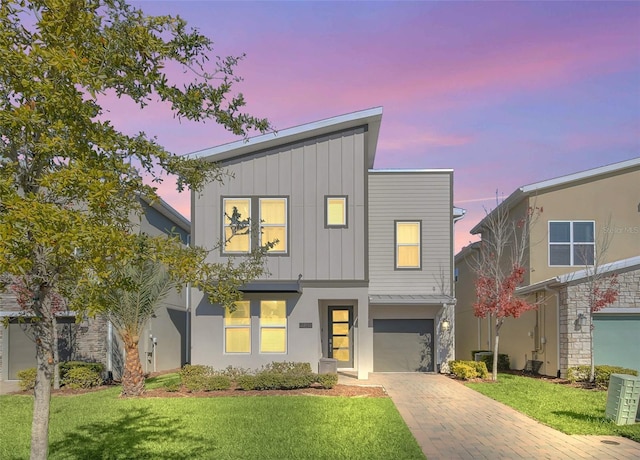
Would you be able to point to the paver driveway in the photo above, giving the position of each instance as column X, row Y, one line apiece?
column 451, row 421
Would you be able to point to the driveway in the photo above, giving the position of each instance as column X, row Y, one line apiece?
column 451, row 421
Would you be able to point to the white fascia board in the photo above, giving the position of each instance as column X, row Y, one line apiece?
column 405, row 171
column 603, row 269
column 371, row 117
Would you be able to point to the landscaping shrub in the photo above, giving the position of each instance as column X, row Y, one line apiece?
column 246, row 382
column 66, row 366
column 171, row 386
column 217, row 383
column 503, row 361
column 468, row 369
column 235, row 372
column 602, row 374
column 327, row 380
column 189, row 370
column 27, row 379
column 267, row 380
column 82, row 377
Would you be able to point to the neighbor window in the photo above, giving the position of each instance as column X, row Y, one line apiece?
column 408, row 244
column 237, row 328
column 336, row 211
column 273, row 223
column 571, row 243
column 273, row 326
column 237, row 228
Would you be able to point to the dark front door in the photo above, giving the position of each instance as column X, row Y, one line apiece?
column 341, row 335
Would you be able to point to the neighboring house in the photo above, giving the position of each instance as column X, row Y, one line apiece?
column 163, row 345
column 362, row 270
column 579, row 213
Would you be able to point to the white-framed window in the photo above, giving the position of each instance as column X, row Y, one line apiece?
column 273, row 326
column 408, row 244
column 273, row 223
column 335, row 212
column 237, row 328
column 572, row 243
column 237, row 228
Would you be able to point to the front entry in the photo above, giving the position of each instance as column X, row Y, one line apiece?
column 341, row 335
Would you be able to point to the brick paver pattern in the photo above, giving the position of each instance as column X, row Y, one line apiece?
column 451, row 421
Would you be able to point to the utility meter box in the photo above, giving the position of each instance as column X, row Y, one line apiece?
column 622, row 398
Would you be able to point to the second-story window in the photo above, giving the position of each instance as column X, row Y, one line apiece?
column 336, row 211
column 273, row 223
column 249, row 222
column 408, row 242
column 571, row 243
column 237, row 227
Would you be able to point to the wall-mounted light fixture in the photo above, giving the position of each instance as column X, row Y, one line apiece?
column 580, row 321
column 445, row 325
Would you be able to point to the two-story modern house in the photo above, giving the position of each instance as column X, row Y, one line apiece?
column 589, row 223
column 163, row 345
column 362, row 268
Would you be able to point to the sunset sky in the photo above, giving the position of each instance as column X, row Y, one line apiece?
column 505, row 93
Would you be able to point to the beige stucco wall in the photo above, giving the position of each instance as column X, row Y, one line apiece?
column 612, row 202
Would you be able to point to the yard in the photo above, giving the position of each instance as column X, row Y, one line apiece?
column 100, row 425
column 560, row 406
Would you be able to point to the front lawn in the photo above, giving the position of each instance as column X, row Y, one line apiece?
column 568, row 409
column 100, row 425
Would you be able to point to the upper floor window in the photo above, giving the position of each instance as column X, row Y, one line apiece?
column 408, row 244
column 336, row 211
column 273, row 223
column 237, row 228
column 571, row 243
column 243, row 216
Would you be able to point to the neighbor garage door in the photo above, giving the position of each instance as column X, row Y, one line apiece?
column 403, row 345
column 616, row 340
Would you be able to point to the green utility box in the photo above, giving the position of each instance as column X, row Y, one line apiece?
column 622, row 399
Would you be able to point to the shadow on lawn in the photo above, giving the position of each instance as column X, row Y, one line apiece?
column 131, row 436
column 583, row 417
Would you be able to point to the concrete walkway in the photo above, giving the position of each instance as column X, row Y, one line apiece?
column 451, row 421
column 9, row 386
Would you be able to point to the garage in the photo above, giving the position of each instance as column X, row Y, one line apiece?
column 616, row 340
column 403, row 345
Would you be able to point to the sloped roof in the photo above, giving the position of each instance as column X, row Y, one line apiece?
column 370, row 118
column 561, row 182
column 169, row 212
column 410, row 299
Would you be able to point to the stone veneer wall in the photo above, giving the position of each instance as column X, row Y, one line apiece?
column 574, row 340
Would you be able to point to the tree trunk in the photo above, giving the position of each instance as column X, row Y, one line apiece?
column 494, row 370
column 42, row 390
column 133, row 378
column 592, row 371
column 56, row 356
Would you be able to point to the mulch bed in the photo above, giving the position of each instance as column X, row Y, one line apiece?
column 546, row 378
column 349, row 391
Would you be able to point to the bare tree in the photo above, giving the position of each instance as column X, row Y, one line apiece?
column 500, row 268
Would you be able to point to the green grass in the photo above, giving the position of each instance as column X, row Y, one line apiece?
column 101, row 425
column 570, row 410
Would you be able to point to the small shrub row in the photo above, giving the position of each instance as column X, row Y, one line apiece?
column 466, row 370
column 602, row 374
column 273, row 376
column 73, row 374
column 503, row 359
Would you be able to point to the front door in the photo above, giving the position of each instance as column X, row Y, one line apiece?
column 341, row 335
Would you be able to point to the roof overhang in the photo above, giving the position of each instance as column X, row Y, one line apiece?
column 294, row 287
column 410, row 299
column 168, row 211
column 371, row 118
column 24, row 314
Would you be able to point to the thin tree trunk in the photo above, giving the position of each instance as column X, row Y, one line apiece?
column 133, row 378
column 42, row 391
column 56, row 356
column 592, row 371
column 494, row 371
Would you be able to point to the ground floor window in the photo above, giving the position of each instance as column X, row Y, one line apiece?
column 273, row 326
column 237, row 328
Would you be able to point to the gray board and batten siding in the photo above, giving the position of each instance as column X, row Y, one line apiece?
column 304, row 173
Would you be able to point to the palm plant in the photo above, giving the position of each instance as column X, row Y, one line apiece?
column 130, row 308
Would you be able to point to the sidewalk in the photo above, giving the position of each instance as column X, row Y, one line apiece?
column 8, row 386
column 451, row 421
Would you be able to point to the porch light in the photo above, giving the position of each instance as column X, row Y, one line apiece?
column 581, row 320
column 445, row 325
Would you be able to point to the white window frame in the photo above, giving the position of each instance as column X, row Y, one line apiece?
column 225, row 225
column 274, row 326
column 571, row 242
column 285, row 246
column 236, row 326
column 345, row 214
column 397, row 245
